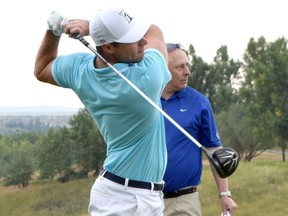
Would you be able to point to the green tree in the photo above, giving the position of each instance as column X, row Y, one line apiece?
column 199, row 71
column 54, row 153
column 215, row 80
column 20, row 169
column 89, row 146
column 18, row 163
column 265, row 89
column 236, row 132
column 2, row 159
column 16, row 157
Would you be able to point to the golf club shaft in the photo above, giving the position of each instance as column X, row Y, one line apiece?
column 82, row 40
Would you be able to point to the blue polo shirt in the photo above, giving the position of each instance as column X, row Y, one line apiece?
column 131, row 127
column 192, row 111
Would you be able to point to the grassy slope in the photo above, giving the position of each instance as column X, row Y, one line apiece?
column 47, row 199
column 260, row 188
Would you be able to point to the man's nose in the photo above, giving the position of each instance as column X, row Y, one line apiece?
column 187, row 71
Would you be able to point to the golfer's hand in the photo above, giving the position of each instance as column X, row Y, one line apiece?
column 77, row 26
column 56, row 23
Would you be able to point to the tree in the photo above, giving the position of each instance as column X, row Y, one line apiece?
column 265, row 89
column 215, row 80
column 18, row 164
column 236, row 132
column 17, row 159
column 199, row 72
column 19, row 170
column 71, row 152
column 89, row 146
column 54, row 153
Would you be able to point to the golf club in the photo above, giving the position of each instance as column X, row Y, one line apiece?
column 227, row 214
column 225, row 160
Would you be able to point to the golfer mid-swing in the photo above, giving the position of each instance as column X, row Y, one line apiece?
column 131, row 182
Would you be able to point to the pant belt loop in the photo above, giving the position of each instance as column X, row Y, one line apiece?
column 152, row 186
column 103, row 172
column 126, row 183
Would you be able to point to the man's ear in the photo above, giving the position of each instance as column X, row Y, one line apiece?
column 107, row 48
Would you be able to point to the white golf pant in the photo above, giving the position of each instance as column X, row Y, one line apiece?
column 113, row 199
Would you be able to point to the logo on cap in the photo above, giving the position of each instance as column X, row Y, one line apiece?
column 126, row 16
column 102, row 41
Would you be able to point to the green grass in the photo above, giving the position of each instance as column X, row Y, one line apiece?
column 47, row 199
column 259, row 188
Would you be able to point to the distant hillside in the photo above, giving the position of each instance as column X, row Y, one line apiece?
column 38, row 110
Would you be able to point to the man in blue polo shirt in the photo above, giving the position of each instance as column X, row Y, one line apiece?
column 192, row 111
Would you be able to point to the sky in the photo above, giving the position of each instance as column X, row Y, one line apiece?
column 206, row 24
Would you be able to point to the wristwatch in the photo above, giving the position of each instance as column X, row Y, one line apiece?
column 225, row 193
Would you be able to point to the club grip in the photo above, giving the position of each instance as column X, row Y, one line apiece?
column 81, row 39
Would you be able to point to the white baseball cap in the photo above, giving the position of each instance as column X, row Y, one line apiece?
column 116, row 25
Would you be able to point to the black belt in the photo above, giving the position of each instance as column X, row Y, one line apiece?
column 180, row 192
column 132, row 183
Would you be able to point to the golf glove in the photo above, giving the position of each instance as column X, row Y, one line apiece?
column 56, row 23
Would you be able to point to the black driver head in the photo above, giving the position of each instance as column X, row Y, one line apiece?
column 225, row 161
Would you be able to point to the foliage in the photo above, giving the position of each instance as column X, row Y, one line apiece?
column 89, row 146
column 54, row 153
column 215, row 80
column 265, row 89
column 234, row 127
column 19, row 171
column 16, row 158
column 65, row 153
column 74, row 152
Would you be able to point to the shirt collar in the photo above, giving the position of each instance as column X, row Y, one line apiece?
column 178, row 94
